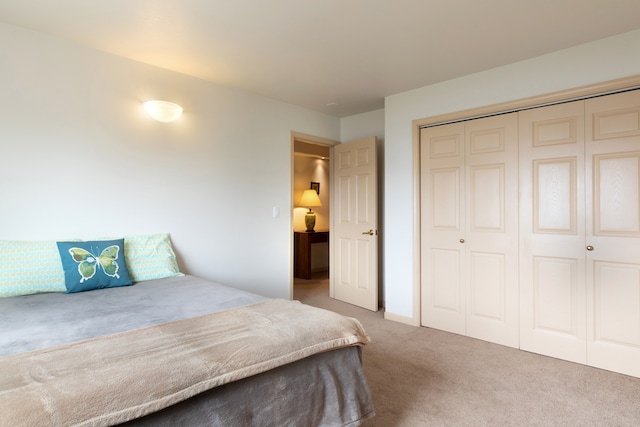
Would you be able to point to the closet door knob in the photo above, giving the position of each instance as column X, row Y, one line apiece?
column 461, row 240
column 589, row 248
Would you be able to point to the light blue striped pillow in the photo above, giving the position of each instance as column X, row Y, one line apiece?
column 150, row 256
column 30, row 267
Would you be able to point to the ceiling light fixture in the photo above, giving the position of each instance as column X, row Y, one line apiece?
column 163, row 111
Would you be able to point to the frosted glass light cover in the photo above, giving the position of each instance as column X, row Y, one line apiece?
column 163, row 111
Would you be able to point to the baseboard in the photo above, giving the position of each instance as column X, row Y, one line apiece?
column 400, row 319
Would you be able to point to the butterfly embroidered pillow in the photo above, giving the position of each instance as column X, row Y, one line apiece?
column 93, row 265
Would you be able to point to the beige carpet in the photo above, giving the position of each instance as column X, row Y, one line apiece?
column 426, row 377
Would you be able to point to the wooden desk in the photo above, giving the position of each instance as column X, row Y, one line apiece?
column 302, row 242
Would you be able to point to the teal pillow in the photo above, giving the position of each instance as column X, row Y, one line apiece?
column 93, row 265
column 30, row 267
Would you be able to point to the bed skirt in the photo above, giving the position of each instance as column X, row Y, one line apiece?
column 326, row 389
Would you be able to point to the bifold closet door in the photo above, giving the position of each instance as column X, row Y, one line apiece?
column 443, row 224
column 613, row 232
column 469, row 194
column 491, row 241
column 580, row 231
column 552, row 231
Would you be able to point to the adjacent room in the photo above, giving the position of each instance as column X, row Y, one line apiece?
column 403, row 213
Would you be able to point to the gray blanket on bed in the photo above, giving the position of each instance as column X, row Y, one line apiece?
column 37, row 321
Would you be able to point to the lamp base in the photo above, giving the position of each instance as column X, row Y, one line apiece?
column 310, row 221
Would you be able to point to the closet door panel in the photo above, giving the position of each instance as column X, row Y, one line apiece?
column 616, row 296
column 554, row 288
column 615, row 199
column 445, row 295
column 487, row 202
column 552, row 231
column 491, row 243
column 442, row 226
column 487, row 284
column 613, row 232
column 445, row 195
column 554, row 196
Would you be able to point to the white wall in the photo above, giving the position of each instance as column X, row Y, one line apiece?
column 599, row 61
column 80, row 158
column 362, row 126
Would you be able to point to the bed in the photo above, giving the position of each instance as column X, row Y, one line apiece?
column 178, row 350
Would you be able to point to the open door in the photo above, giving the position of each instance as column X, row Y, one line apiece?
column 354, row 231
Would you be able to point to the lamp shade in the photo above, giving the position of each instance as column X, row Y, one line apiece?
column 163, row 111
column 310, row 198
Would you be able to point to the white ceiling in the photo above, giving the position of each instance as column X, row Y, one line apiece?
column 340, row 57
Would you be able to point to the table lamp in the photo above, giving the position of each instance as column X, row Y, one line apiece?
column 310, row 198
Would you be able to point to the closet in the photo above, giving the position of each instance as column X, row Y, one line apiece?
column 570, row 232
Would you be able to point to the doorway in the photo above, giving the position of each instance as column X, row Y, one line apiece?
column 311, row 170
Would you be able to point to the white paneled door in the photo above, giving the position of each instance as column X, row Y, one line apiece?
column 354, row 232
column 613, row 232
column 469, row 185
column 552, row 231
column 492, row 229
column 580, row 231
column 443, row 225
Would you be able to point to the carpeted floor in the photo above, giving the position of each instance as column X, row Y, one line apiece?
column 426, row 377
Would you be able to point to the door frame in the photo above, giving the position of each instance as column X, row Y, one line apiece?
column 572, row 94
column 315, row 140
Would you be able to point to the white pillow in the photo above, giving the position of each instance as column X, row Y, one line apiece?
column 150, row 256
column 30, row 267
